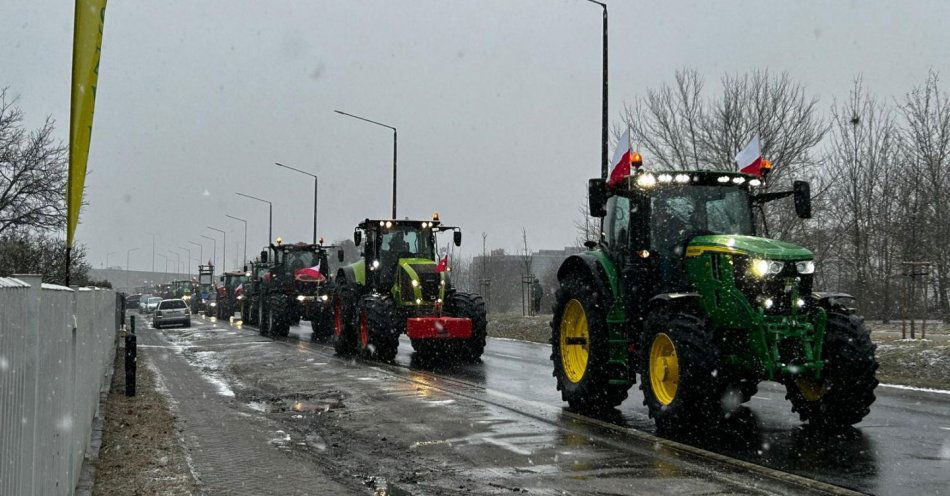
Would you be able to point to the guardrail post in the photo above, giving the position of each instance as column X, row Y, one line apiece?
column 130, row 356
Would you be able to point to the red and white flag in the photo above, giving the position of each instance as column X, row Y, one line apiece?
column 624, row 158
column 311, row 274
column 443, row 264
column 749, row 160
column 238, row 291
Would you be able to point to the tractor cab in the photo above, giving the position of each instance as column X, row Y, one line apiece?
column 299, row 267
column 401, row 257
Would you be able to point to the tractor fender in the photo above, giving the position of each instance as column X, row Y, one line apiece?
column 590, row 268
column 345, row 276
column 675, row 300
column 830, row 300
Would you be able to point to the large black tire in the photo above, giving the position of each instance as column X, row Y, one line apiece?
column 592, row 391
column 470, row 306
column 847, row 389
column 321, row 323
column 378, row 328
column 344, row 332
column 698, row 391
column 277, row 313
column 262, row 320
column 252, row 317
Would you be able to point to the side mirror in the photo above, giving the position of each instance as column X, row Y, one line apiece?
column 457, row 238
column 597, row 197
column 264, row 256
column 802, row 199
column 245, row 268
column 357, row 237
column 339, row 255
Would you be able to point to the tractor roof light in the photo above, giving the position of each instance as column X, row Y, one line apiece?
column 415, row 283
column 375, row 264
column 646, row 180
column 280, row 240
column 435, row 216
column 755, row 183
column 738, row 180
column 723, row 179
column 805, row 267
column 682, row 178
column 389, row 224
column 664, row 178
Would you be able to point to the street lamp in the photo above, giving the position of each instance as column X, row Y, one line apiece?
column 107, row 258
column 128, row 255
column 178, row 265
column 603, row 124
column 270, row 216
column 314, row 176
column 201, row 251
column 245, row 234
column 153, row 250
column 214, row 248
column 164, row 279
column 189, row 259
column 224, row 248
column 394, row 150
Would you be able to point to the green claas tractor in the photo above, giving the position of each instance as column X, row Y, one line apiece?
column 227, row 294
column 681, row 289
column 251, row 297
column 399, row 287
column 294, row 287
column 181, row 289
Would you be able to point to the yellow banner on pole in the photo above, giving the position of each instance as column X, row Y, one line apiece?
column 87, row 45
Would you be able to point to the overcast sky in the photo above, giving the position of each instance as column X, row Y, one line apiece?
column 497, row 102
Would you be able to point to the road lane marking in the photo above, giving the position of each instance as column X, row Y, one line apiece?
column 761, row 398
column 914, row 388
column 514, row 357
column 946, row 428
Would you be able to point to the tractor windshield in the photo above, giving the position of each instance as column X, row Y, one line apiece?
column 296, row 260
column 680, row 212
column 406, row 242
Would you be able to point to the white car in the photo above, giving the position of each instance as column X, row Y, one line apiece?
column 174, row 311
column 152, row 303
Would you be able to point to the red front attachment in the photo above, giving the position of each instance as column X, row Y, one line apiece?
column 438, row 328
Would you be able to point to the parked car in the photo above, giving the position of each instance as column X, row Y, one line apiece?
column 132, row 301
column 173, row 311
column 152, row 303
column 143, row 300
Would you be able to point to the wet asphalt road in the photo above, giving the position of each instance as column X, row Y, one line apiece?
column 902, row 447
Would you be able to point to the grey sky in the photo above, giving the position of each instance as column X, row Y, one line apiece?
column 497, row 101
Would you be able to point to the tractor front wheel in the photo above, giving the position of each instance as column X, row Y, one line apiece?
column 343, row 338
column 580, row 348
column 472, row 307
column 278, row 324
column 378, row 332
column 844, row 395
column 679, row 363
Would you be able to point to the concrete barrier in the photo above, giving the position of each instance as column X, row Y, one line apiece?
column 56, row 350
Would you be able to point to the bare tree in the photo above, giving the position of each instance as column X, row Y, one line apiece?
column 32, row 173
column 586, row 226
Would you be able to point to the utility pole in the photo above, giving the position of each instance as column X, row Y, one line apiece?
column 270, row 216
column 224, row 248
column 315, row 186
column 394, row 149
column 245, row 231
column 603, row 126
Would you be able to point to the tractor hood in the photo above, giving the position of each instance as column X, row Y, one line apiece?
column 747, row 245
column 419, row 282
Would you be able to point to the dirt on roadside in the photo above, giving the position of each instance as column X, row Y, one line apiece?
column 919, row 363
column 141, row 452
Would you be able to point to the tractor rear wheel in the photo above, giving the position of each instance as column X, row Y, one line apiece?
column 378, row 330
column 472, row 307
column 344, row 336
column 844, row 395
column 579, row 345
column 278, row 324
column 678, row 367
column 321, row 323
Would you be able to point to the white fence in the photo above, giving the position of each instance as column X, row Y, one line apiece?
column 56, row 349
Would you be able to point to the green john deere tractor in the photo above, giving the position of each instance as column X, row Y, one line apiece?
column 399, row 287
column 681, row 290
column 292, row 288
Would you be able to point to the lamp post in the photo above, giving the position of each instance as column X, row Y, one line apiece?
column 245, row 233
column 153, row 250
column 214, row 249
column 187, row 259
column 315, row 184
column 394, row 150
column 164, row 279
column 178, row 265
column 128, row 256
column 270, row 216
column 603, row 125
column 201, row 251
column 224, row 248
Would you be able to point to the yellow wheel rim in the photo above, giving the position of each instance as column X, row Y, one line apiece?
column 811, row 390
column 664, row 369
column 575, row 341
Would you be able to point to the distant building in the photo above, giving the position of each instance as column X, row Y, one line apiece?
column 498, row 277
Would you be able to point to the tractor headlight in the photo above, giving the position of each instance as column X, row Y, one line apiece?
column 415, row 283
column 805, row 267
column 646, row 181
column 763, row 268
column 324, row 298
column 301, row 298
column 214, row 304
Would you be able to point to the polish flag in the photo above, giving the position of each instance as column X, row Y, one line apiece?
column 238, row 291
column 443, row 264
column 750, row 161
column 311, row 274
column 624, row 158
